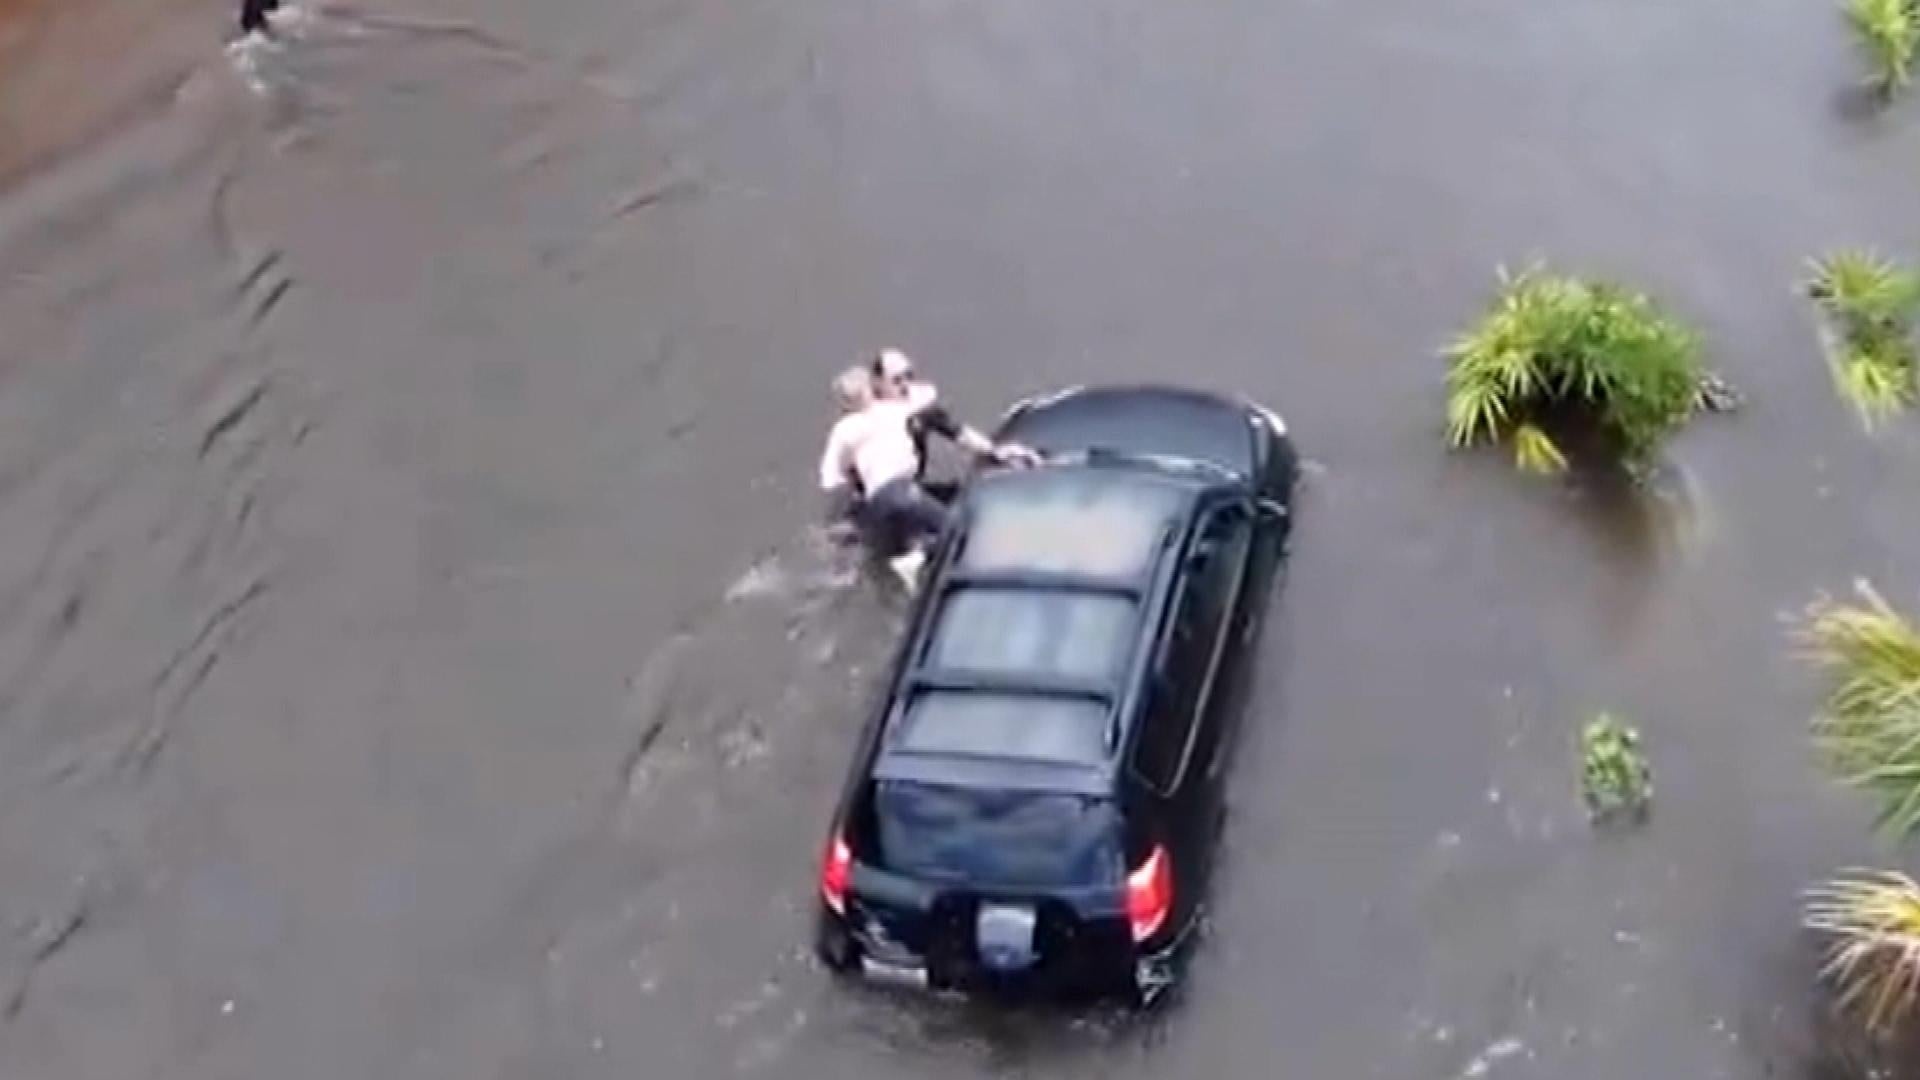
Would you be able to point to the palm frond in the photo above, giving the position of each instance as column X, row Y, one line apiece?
column 1872, row 921
column 1876, row 378
column 1869, row 303
column 1886, row 32
column 1867, row 730
column 1535, row 452
column 1859, row 283
column 1476, row 410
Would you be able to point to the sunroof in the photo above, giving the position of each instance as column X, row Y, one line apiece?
column 1076, row 522
column 983, row 724
column 1043, row 632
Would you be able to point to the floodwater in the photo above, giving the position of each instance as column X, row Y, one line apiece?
column 417, row 657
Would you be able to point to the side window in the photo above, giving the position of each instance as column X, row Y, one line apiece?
column 1178, row 696
column 1167, row 721
column 1216, row 561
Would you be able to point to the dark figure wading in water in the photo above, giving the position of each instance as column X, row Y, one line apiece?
column 253, row 15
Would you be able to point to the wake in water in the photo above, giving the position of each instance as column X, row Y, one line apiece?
column 264, row 32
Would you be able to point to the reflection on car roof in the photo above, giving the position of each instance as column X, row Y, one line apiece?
column 1082, row 521
column 1053, row 633
column 980, row 724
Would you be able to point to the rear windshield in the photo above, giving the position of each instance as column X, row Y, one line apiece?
column 1048, row 632
column 1017, row 839
column 980, row 724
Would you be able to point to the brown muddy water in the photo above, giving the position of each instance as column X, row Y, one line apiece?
column 417, row 660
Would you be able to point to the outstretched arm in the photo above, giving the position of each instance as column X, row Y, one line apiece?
column 937, row 419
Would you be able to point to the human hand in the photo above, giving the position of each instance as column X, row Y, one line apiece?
column 1016, row 455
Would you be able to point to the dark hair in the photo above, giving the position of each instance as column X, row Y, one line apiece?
column 877, row 362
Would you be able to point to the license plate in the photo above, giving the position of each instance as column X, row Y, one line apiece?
column 1004, row 935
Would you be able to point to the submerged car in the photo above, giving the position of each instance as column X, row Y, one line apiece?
column 1033, row 806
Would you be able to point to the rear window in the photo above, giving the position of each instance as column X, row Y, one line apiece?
column 980, row 724
column 1082, row 635
column 982, row 837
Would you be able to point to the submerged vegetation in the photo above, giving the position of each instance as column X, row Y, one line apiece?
column 1868, row 733
column 1868, row 727
column 1872, row 921
column 1614, row 775
column 1887, row 32
column 1555, row 348
column 1868, row 303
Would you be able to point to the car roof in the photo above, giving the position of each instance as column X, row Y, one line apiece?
column 1084, row 547
column 1089, row 519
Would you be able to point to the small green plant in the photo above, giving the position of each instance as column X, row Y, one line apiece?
column 1553, row 345
column 1614, row 775
column 1535, row 452
column 1868, row 728
column 1872, row 922
column 1886, row 32
column 1869, row 303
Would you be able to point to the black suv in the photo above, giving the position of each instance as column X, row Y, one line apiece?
column 1034, row 804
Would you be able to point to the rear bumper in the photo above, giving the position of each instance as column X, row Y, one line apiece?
column 1127, row 974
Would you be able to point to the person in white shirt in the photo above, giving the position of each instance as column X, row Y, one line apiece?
column 894, row 380
column 875, row 450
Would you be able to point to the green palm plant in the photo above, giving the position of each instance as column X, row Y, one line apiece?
column 1886, row 32
column 1868, row 732
column 1868, row 728
column 1614, row 775
column 1869, row 303
column 1553, row 342
column 1858, row 284
column 1872, row 921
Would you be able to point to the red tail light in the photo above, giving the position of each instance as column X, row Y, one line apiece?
column 1150, row 894
column 835, row 870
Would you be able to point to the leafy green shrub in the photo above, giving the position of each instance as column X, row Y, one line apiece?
column 1869, row 304
column 1868, row 728
column 1872, row 920
column 1554, row 345
column 1614, row 775
column 1886, row 32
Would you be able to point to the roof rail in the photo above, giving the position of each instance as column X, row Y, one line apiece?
column 1107, row 455
column 1133, row 586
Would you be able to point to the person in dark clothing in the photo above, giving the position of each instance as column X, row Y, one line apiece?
column 253, row 15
